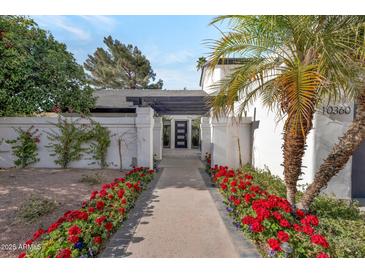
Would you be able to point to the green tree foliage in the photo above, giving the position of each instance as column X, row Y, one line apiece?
column 37, row 73
column 120, row 66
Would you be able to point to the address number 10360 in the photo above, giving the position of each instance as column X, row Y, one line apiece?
column 336, row 110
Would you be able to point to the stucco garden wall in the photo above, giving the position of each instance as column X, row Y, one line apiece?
column 133, row 131
column 268, row 141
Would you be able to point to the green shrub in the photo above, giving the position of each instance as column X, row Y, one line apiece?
column 100, row 141
column 25, row 146
column 346, row 237
column 344, row 225
column 67, row 143
column 329, row 207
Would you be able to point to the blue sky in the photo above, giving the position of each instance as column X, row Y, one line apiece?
column 171, row 43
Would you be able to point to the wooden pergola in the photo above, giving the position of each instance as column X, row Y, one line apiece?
column 164, row 102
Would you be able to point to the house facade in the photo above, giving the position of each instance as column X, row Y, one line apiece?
column 144, row 122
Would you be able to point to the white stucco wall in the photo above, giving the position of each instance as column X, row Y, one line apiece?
column 145, row 124
column 121, row 127
column 205, row 137
column 226, row 132
column 157, row 138
column 268, row 141
column 212, row 77
column 131, row 130
column 267, row 147
column 329, row 128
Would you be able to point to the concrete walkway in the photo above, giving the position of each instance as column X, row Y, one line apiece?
column 183, row 219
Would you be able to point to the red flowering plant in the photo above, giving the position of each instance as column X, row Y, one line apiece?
column 81, row 233
column 208, row 161
column 269, row 220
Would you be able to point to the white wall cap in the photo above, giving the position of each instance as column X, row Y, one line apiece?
column 226, row 120
column 144, row 110
column 204, row 120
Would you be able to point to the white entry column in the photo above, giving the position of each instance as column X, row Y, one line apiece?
column 205, row 136
column 172, row 134
column 219, row 141
column 157, row 137
column 144, row 124
column 189, row 130
column 230, row 141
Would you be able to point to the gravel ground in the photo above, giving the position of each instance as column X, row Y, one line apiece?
column 18, row 185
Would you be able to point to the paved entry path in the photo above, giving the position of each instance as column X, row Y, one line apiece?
column 184, row 220
column 181, row 218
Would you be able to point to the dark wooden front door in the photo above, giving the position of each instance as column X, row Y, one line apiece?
column 181, row 132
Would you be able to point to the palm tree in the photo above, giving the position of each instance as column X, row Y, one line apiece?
column 200, row 62
column 293, row 63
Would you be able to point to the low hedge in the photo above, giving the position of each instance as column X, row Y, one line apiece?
column 82, row 232
column 256, row 201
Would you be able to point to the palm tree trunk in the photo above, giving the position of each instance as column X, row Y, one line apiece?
column 293, row 151
column 339, row 156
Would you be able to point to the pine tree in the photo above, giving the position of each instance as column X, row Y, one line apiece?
column 120, row 66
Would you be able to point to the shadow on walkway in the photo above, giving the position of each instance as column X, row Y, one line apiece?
column 181, row 167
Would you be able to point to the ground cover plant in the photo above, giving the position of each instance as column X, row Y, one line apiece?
column 82, row 232
column 35, row 207
column 93, row 179
column 256, row 201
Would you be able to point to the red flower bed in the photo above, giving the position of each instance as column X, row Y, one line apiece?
column 80, row 233
column 269, row 220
